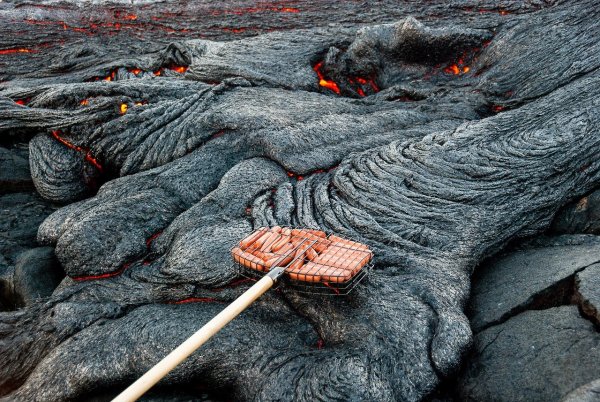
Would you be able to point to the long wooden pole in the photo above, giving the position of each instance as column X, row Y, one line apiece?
column 183, row 351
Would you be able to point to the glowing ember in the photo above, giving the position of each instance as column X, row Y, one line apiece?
column 123, row 108
column 101, row 276
column 150, row 239
column 497, row 108
column 459, row 67
column 363, row 84
column 452, row 69
column 15, row 50
column 324, row 82
column 20, row 102
column 135, row 71
column 88, row 156
column 84, row 102
column 196, row 300
column 179, row 69
column 130, row 17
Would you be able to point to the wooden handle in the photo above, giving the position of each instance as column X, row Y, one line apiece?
column 162, row 368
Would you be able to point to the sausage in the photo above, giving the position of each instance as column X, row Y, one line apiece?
column 261, row 240
column 311, row 254
column 261, row 255
column 304, row 273
column 247, row 259
column 245, row 243
column 348, row 243
column 280, row 243
column 270, row 241
column 281, row 261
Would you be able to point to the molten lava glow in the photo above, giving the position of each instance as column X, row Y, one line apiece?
column 179, row 69
column 497, row 108
column 452, row 69
column 20, row 102
column 110, row 77
column 196, row 300
column 88, row 156
column 324, row 82
column 150, row 239
column 130, row 17
column 16, row 50
column 295, row 176
column 459, row 67
column 320, row 343
column 135, row 71
column 123, row 108
column 101, row 276
column 84, row 102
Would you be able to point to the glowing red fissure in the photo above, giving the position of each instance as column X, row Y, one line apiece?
column 101, row 276
column 316, row 171
column 196, row 300
column 16, row 50
column 325, row 83
column 357, row 83
column 119, row 271
column 88, row 156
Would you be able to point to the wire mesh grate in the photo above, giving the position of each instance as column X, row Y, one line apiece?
column 314, row 262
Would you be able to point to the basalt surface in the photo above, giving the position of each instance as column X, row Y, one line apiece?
column 435, row 133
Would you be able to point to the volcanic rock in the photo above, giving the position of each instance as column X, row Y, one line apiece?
column 541, row 275
column 14, row 172
column 168, row 154
column 534, row 356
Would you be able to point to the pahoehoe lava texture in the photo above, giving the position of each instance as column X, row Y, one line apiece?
column 434, row 142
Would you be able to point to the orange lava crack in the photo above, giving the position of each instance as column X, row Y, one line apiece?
column 16, row 50
column 88, row 156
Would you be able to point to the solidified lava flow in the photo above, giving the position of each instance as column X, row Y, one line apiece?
column 56, row 134
column 418, row 128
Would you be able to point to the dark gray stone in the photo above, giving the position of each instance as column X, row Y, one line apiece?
column 586, row 393
column 14, row 172
column 427, row 171
column 535, row 356
column 21, row 215
column 587, row 292
column 582, row 216
column 36, row 275
column 531, row 278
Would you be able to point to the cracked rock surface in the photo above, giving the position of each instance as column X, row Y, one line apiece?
column 535, row 318
column 534, row 356
column 435, row 140
column 537, row 276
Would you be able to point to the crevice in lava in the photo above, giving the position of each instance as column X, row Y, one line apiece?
column 361, row 86
column 145, row 261
column 57, row 135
